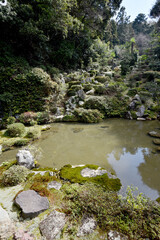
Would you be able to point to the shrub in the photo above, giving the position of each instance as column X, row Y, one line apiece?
column 15, row 129
column 88, row 115
column 42, row 117
column 27, row 118
column 11, row 120
column 34, row 133
column 14, row 175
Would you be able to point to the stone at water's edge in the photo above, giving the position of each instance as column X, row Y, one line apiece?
column 6, row 226
column 51, row 226
column 156, row 141
column 88, row 226
column 31, row 203
column 154, row 134
column 0, row 149
column 25, row 158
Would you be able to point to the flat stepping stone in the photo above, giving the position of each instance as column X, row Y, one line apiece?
column 54, row 184
column 154, row 134
column 88, row 172
column 88, row 226
column 52, row 226
column 156, row 141
column 31, row 203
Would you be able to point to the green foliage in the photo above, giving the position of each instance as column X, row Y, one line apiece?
column 21, row 142
column 14, row 175
column 27, row 118
column 33, row 132
column 136, row 217
column 15, row 129
column 42, row 117
column 11, row 120
column 33, row 86
column 88, row 116
column 74, row 176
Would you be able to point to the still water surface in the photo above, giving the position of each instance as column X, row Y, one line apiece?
column 119, row 145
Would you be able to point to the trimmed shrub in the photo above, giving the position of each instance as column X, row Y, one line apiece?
column 34, row 133
column 14, row 175
column 42, row 117
column 88, row 116
column 27, row 118
column 15, row 129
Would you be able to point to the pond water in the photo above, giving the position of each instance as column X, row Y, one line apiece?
column 121, row 146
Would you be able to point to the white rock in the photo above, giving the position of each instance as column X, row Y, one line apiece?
column 25, row 158
column 6, row 226
column 87, row 227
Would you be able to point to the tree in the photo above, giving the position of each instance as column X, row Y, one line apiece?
column 140, row 24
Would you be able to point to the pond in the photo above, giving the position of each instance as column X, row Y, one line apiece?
column 121, row 146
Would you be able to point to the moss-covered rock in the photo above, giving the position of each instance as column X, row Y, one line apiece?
column 70, row 118
column 88, row 116
column 96, row 102
column 156, row 141
column 15, row 130
column 73, row 90
column 74, row 175
column 100, row 89
column 21, row 142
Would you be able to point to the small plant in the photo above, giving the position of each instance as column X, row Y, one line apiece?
column 15, row 130
column 14, row 175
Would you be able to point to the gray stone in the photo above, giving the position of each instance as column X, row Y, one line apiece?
column 81, row 94
column 25, row 158
column 140, row 111
column 114, row 235
column 51, row 226
column 90, row 92
column 31, row 203
column 87, row 172
column 154, row 134
column 137, row 98
column 0, row 149
column 54, row 184
column 81, row 103
column 87, row 227
column 6, row 226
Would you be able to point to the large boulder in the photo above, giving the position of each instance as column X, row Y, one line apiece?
column 140, row 111
column 51, row 226
column 25, row 158
column 31, row 203
column 6, row 226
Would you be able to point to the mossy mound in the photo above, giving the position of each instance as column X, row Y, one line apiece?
column 34, row 133
column 15, row 130
column 74, row 176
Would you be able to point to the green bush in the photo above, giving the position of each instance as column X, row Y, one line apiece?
column 42, row 117
column 15, row 129
column 14, row 175
column 11, row 120
column 21, row 142
column 88, row 115
column 27, row 118
column 34, row 133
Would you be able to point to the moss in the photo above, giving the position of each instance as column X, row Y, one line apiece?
column 132, row 92
column 6, row 165
column 15, row 130
column 88, row 116
column 133, row 114
column 39, row 183
column 74, row 176
column 96, row 102
column 11, row 120
column 87, row 87
column 14, row 175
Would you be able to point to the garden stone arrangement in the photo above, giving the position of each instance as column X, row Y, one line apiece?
column 75, row 202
